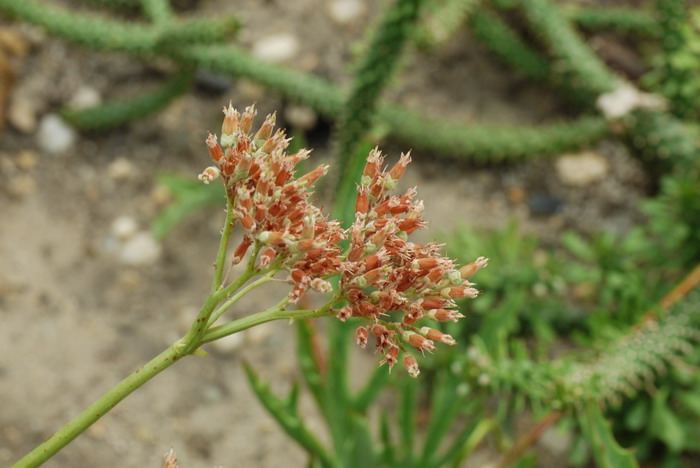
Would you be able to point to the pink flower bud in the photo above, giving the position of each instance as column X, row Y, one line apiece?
column 418, row 341
column 266, row 257
column 344, row 313
column 214, row 149
column 444, row 315
column 266, row 128
column 468, row 270
column 411, row 365
column 247, row 119
column 209, row 174
column 399, row 168
column 391, row 357
column 437, row 335
column 459, row 292
column 361, row 336
column 241, row 250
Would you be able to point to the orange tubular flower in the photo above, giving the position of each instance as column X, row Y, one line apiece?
column 386, row 280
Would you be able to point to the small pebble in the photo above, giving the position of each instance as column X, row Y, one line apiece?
column 213, row 83
column 544, row 205
column 346, row 11
column 276, row 48
column 581, row 169
column 54, row 135
column 124, row 227
column 556, row 441
column 301, row 117
column 22, row 114
column 26, row 160
column 140, row 249
column 84, row 98
column 121, row 169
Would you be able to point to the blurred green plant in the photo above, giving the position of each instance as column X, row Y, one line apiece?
column 397, row 436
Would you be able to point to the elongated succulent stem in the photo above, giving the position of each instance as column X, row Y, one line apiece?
column 453, row 138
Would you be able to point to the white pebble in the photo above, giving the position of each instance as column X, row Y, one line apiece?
column 581, row 169
column 141, row 249
column 302, row 117
column 345, row 11
column 54, row 135
column 84, row 98
column 124, row 227
column 276, row 48
column 121, row 169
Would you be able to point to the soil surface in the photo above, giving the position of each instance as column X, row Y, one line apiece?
column 76, row 318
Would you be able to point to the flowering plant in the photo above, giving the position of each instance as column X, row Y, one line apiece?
column 396, row 287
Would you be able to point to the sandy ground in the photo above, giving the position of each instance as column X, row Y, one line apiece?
column 75, row 320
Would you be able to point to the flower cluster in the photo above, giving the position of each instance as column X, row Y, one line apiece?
column 385, row 275
column 385, row 279
column 271, row 204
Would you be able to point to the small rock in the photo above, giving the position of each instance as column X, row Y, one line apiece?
column 556, row 441
column 544, row 205
column 121, row 169
column 124, row 227
column 301, row 117
column 213, row 83
column 141, row 249
column 581, row 169
column 345, row 11
column 21, row 186
column 26, row 160
column 516, row 195
column 84, row 98
column 229, row 344
column 249, row 90
column 276, row 48
column 160, row 195
column 22, row 114
column 54, row 135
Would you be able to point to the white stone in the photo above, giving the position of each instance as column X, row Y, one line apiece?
column 301, row 117
column 140, row 249
column 121, row 169
column 54, row 135
column 625, row 99
column 84, row 98
column 124, row 227
column 276, row 48
column 581, row 169
column 345, row 11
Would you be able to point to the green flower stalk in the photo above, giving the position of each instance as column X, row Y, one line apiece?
column 396, row 288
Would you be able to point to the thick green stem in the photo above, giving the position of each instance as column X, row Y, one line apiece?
column 273, row 313
column 98, row 409
column 161, row 362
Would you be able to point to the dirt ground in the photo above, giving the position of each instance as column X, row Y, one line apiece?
column 75, row 319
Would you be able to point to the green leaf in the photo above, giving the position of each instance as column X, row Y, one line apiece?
column 374, row 385
column 665, row 424
column 578, row 246
column 288, row 418
column 307, row 362
column 190, row 196
column 606, row 451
